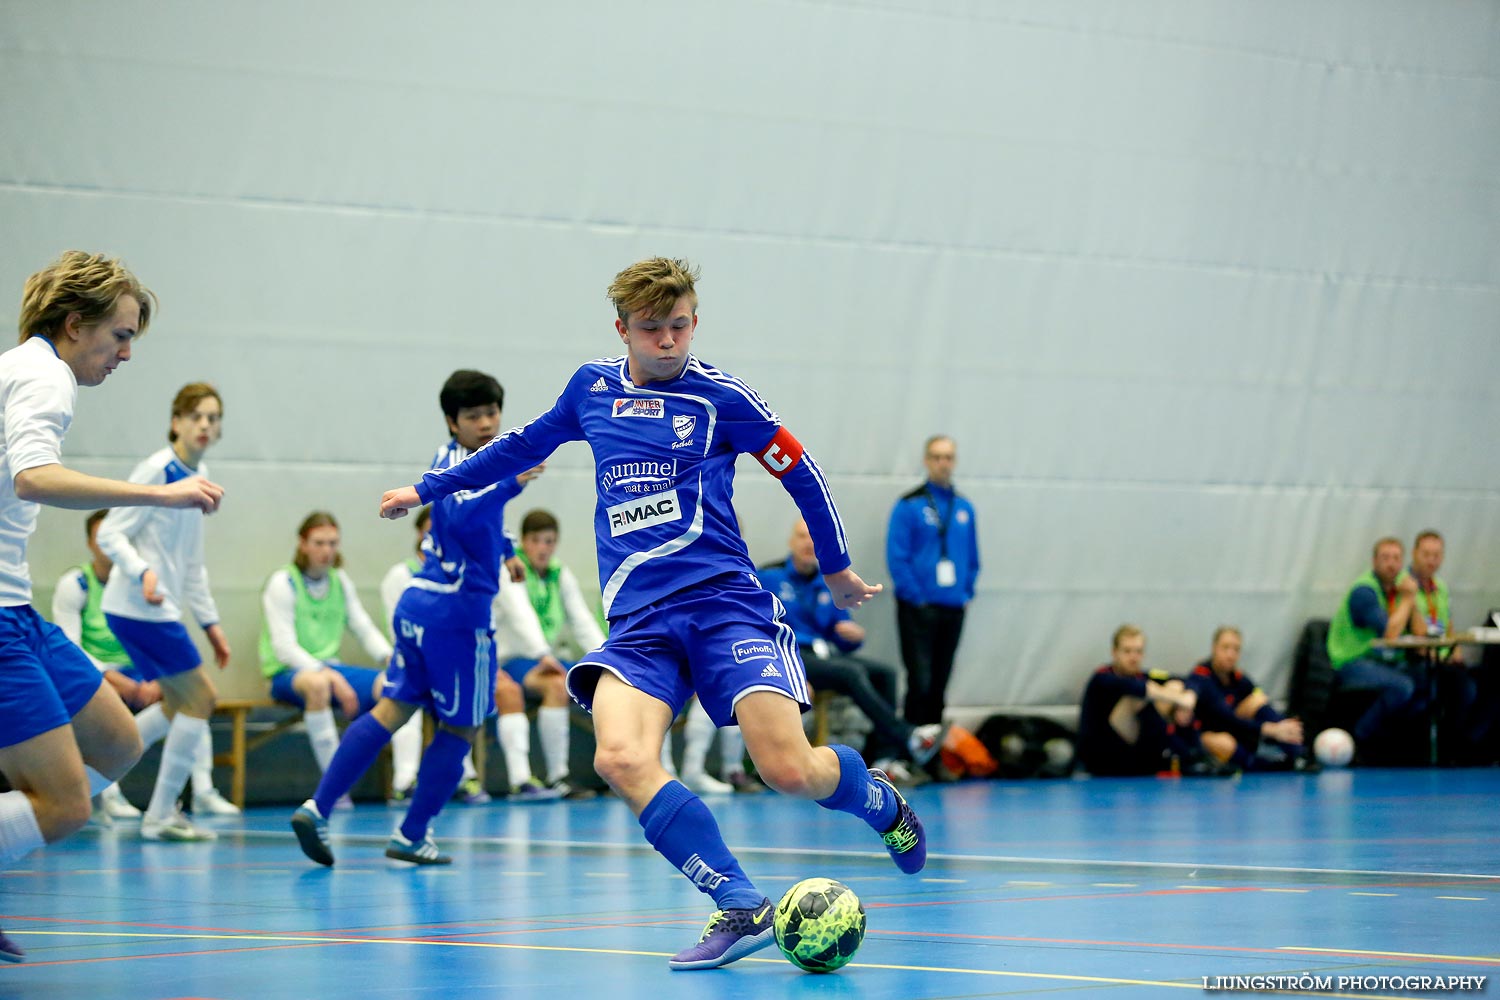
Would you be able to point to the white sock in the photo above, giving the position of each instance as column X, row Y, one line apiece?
column 470, row 771
column 203, row 765
column 697, row 734
column 177, row 755
column 406, row 752
column 152, row 723
column 323, row 734
column 732, row 750
column 19, row 834
column 552, row 729
column 97, row 781
column 514, row 731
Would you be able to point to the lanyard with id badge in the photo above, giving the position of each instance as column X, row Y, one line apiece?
column 945, row 572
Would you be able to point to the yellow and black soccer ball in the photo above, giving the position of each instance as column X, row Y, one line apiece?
column 819, row 924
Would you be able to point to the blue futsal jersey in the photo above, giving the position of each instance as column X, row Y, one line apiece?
column 465, row 548
column 664, row 458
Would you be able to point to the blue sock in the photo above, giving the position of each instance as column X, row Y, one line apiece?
column 683, row 831
column 442, row 769
column 362, row 743
column 858, row 794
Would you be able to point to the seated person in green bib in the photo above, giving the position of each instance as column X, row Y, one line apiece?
column 1379, row 605
column 307, row 606
column 1465, row 721
column 536, row 623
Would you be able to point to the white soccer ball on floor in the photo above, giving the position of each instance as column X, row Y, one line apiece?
column 1334, row 748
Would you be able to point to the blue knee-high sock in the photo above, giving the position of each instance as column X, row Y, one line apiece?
column 442, row 769
column 683, row 831
column 358, row 749
column 858, row 794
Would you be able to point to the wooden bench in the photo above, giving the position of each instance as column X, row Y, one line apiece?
column 238, row 710
column 240, row 744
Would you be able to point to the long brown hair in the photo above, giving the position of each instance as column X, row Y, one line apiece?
column 317, row 519
column 187, row 400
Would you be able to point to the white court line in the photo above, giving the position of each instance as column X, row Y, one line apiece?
column 803, row 852
column 496, row 945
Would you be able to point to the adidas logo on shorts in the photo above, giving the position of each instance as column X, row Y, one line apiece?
column 770, row 671
column 599, row 386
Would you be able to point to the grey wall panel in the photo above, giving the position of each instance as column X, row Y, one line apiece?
column 1209, row 294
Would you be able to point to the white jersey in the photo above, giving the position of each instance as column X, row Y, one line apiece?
column 392, row 586
column 69, row 600
column 169, row 541
column 518, row 630
column 278, row 602
column 37, row 394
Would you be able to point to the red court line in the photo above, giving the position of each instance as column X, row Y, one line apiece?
column 134, row 923
column 1206, row 891
column 167, row 954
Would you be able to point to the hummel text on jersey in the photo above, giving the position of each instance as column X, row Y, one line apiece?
column 753, row 649
column 650, row 477
column 633, row 515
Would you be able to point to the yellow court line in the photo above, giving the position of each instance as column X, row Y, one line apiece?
column 1381, row 954
column 1471, row 899
column 303, row 939
column 1372, row 894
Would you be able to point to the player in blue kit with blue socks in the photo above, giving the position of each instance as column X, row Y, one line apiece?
column 444, row 659
column 686, row 611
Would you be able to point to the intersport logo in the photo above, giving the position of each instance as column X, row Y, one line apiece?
column 654, row 409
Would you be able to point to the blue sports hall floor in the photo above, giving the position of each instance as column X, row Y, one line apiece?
column 1084, row 888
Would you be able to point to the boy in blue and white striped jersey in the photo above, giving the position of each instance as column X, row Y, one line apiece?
column 686, row 612
column 445, row 640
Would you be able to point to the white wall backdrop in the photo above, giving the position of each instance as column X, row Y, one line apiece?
column 1208, row 293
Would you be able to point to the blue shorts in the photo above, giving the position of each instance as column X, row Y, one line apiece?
column 722, row 638
column 45, row 680
column 520, row 667
column 156, row 649
column 450, row 672
column 361, row 679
